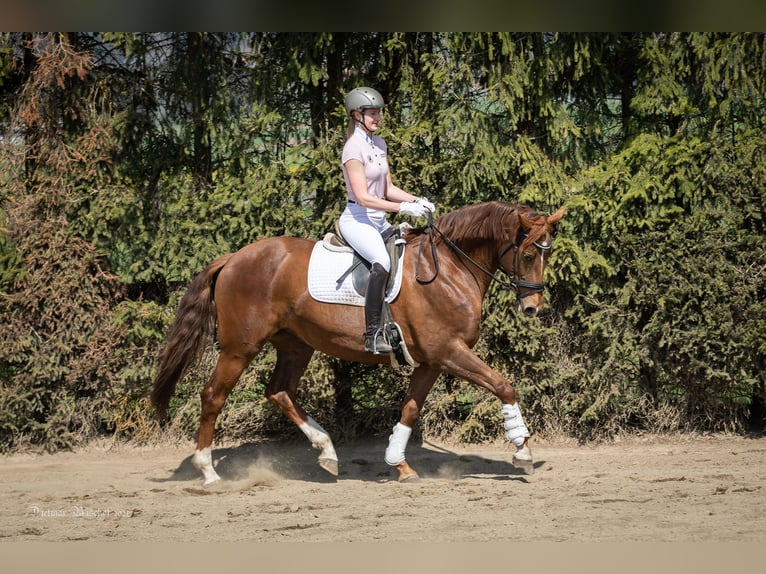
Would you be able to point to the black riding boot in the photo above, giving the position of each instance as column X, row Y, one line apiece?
column 374, row 342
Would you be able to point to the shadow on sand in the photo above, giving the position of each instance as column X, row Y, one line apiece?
column 298, row 461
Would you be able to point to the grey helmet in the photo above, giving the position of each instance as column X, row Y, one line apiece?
column 362, row 98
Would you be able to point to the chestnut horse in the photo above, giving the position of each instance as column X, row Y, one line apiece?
column 259, row 294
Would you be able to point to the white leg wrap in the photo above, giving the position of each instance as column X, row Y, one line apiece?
column 397, row 444
column 203, row 461
column 513, row 423
column 319, row 438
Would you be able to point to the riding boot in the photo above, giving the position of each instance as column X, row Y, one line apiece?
column 374, row 341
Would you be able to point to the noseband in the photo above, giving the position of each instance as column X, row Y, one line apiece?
column 530, row 287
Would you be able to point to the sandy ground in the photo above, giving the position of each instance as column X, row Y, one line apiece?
column 668, row 490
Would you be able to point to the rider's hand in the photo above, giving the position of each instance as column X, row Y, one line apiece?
column 425, row 203
column 412, row 208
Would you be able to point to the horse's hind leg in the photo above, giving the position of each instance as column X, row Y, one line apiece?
column 293, row 357
column 226, row 374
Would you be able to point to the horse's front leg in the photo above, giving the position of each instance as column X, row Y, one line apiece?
column 462, row 362
column 421, row 382
column 516, row 431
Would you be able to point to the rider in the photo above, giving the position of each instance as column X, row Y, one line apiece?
column 370, row 195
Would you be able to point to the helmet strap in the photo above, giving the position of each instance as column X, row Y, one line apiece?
column 363, row 123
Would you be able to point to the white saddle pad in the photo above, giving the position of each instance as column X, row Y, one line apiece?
column 326, row 266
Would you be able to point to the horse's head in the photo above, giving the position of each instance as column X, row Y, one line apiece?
column 525, row 258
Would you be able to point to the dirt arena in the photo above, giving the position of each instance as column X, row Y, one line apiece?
column 700, row 489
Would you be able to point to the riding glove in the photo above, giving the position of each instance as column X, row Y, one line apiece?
column 427, row 204
column 412, row 208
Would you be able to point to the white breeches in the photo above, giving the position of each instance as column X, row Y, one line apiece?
column 362, row 229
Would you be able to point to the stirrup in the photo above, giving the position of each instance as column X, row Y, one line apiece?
column 377, row 343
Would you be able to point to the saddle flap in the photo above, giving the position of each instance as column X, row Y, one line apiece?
column 360, row 275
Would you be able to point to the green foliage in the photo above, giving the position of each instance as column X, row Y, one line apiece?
column 130, row 160
column 53, row 318
column 677, row 326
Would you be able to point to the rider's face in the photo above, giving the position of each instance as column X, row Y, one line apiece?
column 371, row 118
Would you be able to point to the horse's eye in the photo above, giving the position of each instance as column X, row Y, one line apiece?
column 528, row 256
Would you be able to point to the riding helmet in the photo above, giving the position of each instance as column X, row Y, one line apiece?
column 359, row 99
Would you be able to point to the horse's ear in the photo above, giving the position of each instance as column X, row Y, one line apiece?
column 518, row 225
column 554, row 218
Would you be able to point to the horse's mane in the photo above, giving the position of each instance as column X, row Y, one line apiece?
column 489, row 220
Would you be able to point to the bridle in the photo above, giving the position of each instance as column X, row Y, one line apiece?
column 516, row 285
column 531, row 287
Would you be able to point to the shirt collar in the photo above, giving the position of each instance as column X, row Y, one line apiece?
column 365, row 136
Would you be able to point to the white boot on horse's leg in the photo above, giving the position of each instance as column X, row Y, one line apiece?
column 516, row 431
column 328, row 459
column 397, row 444
column 203, row 461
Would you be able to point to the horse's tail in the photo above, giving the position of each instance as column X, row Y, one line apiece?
column 192, row 326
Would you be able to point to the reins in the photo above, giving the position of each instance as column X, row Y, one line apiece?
column 429, row 227
column 531, row 286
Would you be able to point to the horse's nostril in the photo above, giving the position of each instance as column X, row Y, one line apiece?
column 530, row 311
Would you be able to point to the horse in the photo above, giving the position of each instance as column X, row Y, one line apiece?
column 259, row 294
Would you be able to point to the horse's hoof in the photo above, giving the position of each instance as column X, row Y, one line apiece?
column 522, row 458
column 330, row 465
column 211, row 482
column 526, row 465
column 410, row 478
column 406, row 473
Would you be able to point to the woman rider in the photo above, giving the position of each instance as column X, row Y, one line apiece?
column 371, row 194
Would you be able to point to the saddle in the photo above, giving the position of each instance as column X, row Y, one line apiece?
column 360, row 267
column 358, row 270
